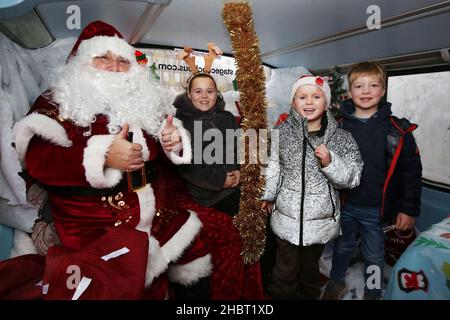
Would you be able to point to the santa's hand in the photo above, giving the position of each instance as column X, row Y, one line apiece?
column 170, row 137
column 124, row 155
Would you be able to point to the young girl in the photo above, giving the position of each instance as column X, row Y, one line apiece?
column 212, row 182
column 310, row 158
column 215, row 184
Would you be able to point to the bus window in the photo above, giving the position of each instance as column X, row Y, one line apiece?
column 424, row 99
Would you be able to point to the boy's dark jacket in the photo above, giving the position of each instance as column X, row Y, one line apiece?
column 396, row 184
column 205, row 181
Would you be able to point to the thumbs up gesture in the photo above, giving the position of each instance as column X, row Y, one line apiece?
column 124, row 155
column 170, row 137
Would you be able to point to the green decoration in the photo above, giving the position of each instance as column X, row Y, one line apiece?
column 235, row 85
column 338, row 93
column 153, row 71
column 430, row 242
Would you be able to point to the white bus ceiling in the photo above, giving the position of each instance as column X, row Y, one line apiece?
column 316, row 34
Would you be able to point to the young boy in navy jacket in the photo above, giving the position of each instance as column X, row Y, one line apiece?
column 390, row 188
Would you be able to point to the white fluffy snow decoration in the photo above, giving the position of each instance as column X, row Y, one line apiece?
column 23, row 77
column 278, row 90
column 23, row 244
column 280, row 84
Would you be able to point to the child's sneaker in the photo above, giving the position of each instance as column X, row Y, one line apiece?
column 334, row 290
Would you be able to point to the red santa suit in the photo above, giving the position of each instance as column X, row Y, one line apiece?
column 89, row 199
column 91, row 205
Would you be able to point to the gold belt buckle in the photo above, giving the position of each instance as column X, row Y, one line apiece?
column 136, row 179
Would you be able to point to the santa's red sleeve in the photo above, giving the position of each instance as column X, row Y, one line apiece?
column 56, row 152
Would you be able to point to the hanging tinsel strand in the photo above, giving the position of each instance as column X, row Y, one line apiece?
column 251, row 220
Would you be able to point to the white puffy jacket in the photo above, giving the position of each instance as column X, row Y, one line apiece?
column 306, row 199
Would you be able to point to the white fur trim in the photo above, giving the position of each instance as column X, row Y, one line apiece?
column 22, row 244
column 189, row 273
column 41, row 125
column 147, row 208
column 160, row 257
column 94, row 163
column 156, row 262
column 100, row 45
column 185, row 144
column 174, row 248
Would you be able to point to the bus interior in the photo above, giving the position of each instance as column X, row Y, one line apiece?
column 410, row 38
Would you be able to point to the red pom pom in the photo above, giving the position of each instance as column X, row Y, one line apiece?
column 319, row 81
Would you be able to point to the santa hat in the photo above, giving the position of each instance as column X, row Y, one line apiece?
column 318, row 82
column 96, row 39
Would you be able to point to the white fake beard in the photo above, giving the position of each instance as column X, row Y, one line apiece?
column 132, row 97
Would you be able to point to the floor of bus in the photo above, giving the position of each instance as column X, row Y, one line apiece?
column 355, row 273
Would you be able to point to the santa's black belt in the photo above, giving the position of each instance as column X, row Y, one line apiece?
column 133, row 181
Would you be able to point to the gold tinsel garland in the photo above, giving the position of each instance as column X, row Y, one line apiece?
column 251, row 220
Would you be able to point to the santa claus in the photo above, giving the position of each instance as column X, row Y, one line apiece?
column 127, row 226
column 75, row 143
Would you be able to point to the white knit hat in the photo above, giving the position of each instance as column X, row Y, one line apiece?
column 318, row 82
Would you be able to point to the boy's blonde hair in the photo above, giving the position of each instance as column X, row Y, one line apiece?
column 368, row 68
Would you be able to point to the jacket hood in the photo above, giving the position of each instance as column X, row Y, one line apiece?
column 184, row 106
column 348, row 109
